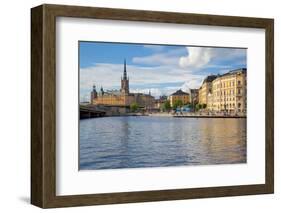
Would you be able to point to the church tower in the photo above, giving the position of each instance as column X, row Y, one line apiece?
column 125, row 81
column 94, row 95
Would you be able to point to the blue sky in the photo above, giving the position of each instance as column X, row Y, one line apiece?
column 161, row 69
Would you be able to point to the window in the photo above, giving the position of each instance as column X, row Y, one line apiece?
column 239, row 82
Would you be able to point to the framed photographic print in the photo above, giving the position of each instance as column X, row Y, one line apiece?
column 137, row 106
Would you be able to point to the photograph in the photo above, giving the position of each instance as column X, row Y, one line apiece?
column 148, row 104
column 154, row 105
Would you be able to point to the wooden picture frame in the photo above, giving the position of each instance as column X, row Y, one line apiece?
column 43, row 105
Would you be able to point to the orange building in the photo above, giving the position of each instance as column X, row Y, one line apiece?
column 179, row 95
column 121, row 97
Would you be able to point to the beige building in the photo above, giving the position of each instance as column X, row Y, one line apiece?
column 229, row 92
column 205, row 89
column 179, row 95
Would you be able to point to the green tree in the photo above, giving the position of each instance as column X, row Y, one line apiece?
column 167, row 106
column 178, row 103
column 198, row 107
column 134, row 107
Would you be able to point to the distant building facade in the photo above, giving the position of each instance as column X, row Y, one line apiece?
column 179, row 95
column 227, row 92
column 121, row 97
column 205, row 89
column 194, row 96
column 158, row 104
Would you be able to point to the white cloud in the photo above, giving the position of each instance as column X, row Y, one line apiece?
column 169, row 68
column 197, row 57
column 109, row 76
column 191, row 84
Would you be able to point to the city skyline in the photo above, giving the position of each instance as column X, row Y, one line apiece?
column 160, row 69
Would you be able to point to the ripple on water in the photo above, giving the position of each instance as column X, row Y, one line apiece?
column 137, row 142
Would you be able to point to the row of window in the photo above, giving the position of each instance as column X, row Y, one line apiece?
column 225, row 99
column 228, row 105
column 227, row 84
column 230, row 92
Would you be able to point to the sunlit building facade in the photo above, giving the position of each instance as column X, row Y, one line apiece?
column 227, row 92
column 121, row 97
column 179, row 96
column 205, row 89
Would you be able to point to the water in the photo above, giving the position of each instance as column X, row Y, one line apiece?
column 144, row 141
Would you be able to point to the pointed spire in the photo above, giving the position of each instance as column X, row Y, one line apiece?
column 125, row 71
column 101, row 90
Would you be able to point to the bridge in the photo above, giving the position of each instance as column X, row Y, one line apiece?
column 93, row 111
column 90, row 111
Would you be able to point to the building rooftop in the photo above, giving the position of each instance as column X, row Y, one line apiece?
column 210, row 78
column 243, row 70
column 194, row 90
column 180, row 92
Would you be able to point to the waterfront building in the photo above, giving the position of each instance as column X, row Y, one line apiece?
column 160, row 102
column 229, row 92
column 179, row 96
column 194, row 96
column 205, row 89
column 122, row 97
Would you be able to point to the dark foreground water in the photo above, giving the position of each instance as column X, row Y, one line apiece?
column 134, row 142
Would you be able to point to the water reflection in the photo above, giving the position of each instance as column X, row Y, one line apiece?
column 134, row 142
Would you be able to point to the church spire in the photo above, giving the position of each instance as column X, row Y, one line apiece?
column 125, row 71
column 125, row 80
